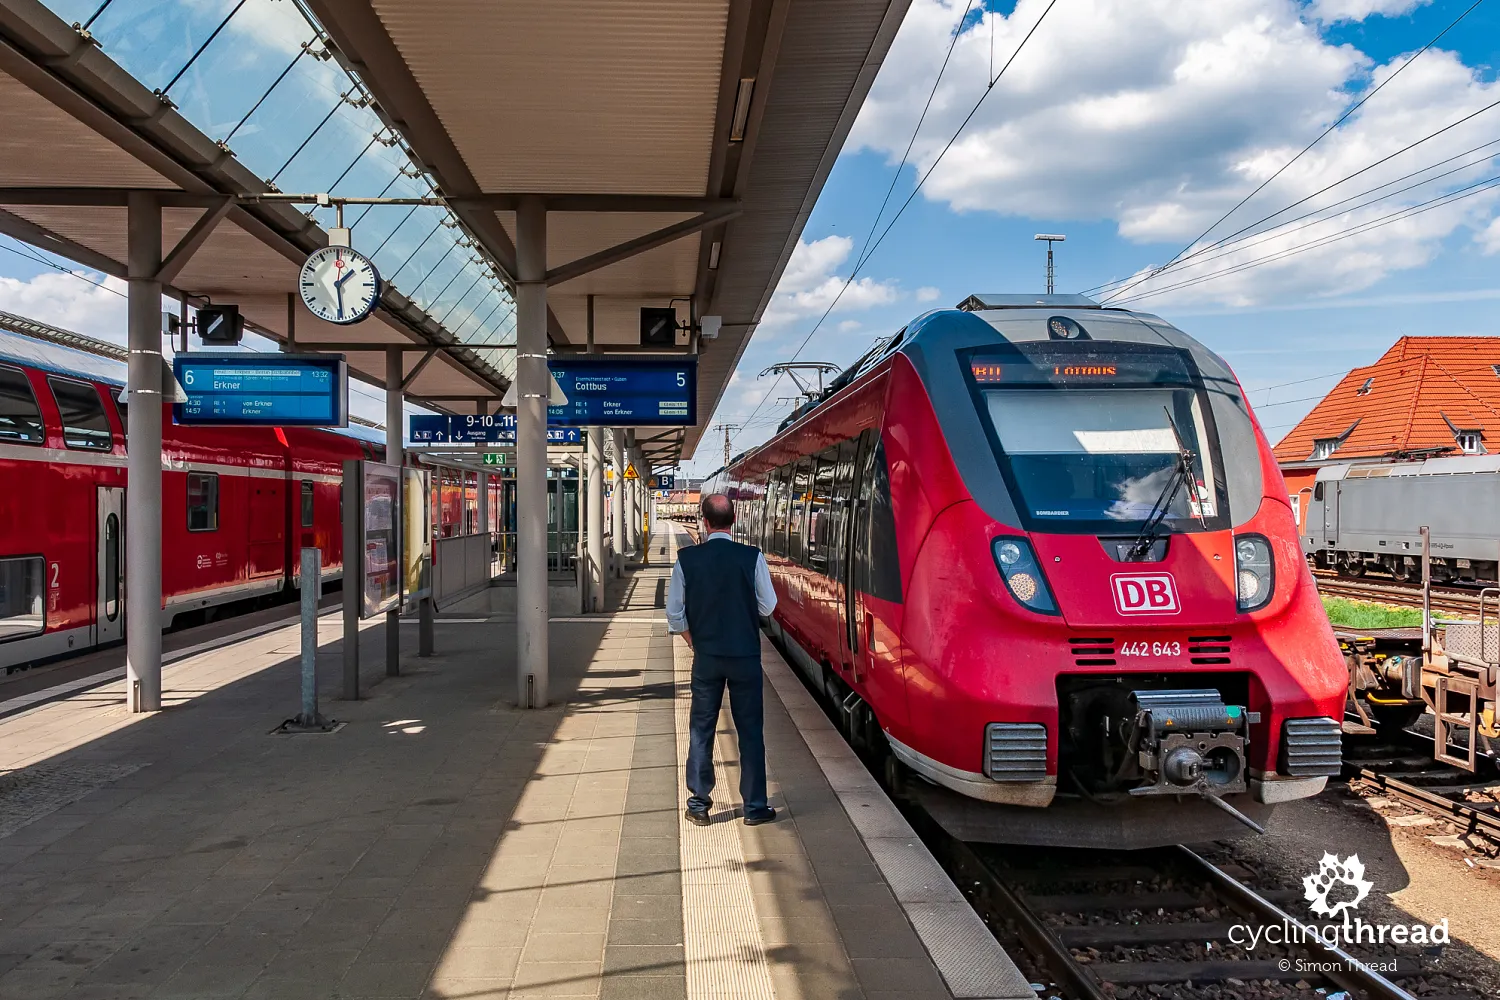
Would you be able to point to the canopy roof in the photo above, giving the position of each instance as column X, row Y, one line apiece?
column 681, row 144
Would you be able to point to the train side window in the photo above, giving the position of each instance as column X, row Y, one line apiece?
column 838, row 515
column 1318, row 491
column 203, row 501
column 877, row 561
column 820, row 508
column 796, row 517
column 20, row 418
column 84, row 423
column 23, row 596
column 307, row 503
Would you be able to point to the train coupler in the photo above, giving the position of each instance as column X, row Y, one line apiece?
column 1188, row 742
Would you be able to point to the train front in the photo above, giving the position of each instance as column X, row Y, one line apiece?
column 1140, row 648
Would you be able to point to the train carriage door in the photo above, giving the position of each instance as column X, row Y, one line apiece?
column 1328, row 493
column 841, row 544
column 109, row 600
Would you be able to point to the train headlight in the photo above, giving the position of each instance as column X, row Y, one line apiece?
column 1023, row 577
column 1255, row 572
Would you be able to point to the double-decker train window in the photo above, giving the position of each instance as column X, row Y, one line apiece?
column 203, row 501
column 779, row 504
column 838, row 510
column 23, row 596
column 83, row 421
column 307, row 503
column 795, row 530
column 20, row 419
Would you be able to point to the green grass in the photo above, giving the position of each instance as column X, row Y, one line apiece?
column 1364, row 614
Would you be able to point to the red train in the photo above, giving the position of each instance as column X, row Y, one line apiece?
column 1038, row 554
column 236, row 504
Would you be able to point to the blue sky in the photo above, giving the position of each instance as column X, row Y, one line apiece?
column 1130, row 127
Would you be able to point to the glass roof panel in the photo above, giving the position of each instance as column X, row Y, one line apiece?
column 254, row 75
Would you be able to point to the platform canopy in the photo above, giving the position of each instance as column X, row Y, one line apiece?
column 679, row 144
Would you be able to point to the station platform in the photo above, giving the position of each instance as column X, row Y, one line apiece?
column 444, row 844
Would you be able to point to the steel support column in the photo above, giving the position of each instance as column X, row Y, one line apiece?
column 143, row 486
column 594, row 472
column 394, row 455
column 532, row 389
column 632, row 511
column 617, row 505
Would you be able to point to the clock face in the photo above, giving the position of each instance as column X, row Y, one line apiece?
column 339, row 285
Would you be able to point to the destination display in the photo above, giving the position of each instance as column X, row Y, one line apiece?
column 280, row 390
column 468, row 428
column 615, row 392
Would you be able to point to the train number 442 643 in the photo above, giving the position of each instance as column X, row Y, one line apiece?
column 1151, row 649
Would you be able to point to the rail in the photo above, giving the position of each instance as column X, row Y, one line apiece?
column 1104, row 921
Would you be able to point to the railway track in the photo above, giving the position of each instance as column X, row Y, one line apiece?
column 1164, row 923
column 1444, row 599
column 1393, row 776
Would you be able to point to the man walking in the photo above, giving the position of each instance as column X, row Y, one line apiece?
column 719, row 591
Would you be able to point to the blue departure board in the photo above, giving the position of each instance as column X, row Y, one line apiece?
column 277, row 390
column 625, row 392
column 499, row 428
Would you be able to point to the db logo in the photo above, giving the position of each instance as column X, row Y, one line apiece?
column 1146, row 594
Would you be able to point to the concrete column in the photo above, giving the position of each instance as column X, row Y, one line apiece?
column 395, row 455
column 617, row 505
column 632, row 500
column 532, row 390
column 594, row 530
column 484, row 505
column 143, row 487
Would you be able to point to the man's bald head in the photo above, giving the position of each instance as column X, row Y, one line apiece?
column 718, row 512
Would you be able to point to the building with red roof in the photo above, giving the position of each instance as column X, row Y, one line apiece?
column 1425, row 397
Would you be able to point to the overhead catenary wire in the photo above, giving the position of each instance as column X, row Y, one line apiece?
column 1479, row 187
column 1341, row 119
column 859, row 265
column 1280, row 230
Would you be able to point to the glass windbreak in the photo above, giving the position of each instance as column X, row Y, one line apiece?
column 1081, row 456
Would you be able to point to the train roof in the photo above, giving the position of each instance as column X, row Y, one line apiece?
column 94, row 359
column 1454, row 466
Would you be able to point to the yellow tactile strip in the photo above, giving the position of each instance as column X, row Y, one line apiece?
column 722, row 943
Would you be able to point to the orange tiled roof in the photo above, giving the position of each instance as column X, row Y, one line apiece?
column 1416, row 384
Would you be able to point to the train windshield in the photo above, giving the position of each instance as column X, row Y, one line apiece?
column 1099, row 442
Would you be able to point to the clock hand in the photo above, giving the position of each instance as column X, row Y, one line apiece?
column 347, row 275
column 338, row 287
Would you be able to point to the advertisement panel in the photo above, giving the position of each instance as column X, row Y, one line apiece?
column 416, row 536
column 380, row 538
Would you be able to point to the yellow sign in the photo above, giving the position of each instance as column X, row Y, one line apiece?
column 630, row 472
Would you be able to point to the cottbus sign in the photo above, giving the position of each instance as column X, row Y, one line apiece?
column 1145, row 594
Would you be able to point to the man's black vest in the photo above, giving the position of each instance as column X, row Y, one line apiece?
column 720, row 587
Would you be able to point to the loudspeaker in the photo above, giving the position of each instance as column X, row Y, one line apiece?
column 658, row 326
column 220, row 324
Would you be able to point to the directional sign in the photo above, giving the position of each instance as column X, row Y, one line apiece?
column 499, row 428
column 663, row 481
column 307, row 390
column 619, row 392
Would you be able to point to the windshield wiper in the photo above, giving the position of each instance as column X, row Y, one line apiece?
column 1182, row 475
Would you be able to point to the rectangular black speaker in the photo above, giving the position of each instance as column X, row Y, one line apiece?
column 658, row 326
column 220, row 324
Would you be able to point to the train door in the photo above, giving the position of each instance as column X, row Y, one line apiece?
column 1329, row 491
column 845, row 497
column 109, row 599
column 856, row 574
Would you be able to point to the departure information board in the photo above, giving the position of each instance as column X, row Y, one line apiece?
column 625, row 392
column 499, row 428
column 278, row 390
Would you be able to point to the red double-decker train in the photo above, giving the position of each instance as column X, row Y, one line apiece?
column 1039, row 557
column 237, row 503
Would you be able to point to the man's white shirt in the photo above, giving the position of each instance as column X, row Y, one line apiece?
column 765, row 594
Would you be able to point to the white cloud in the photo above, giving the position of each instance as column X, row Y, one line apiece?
column 809, row 287
column 68, row 301
column 849, row 326
column 1160, row 116
column 928, row 294
column 1489, row 237
column 1330, row 11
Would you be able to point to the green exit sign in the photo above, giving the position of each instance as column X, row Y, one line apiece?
column 494, row 458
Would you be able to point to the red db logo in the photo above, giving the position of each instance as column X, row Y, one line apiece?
column 1147, row 594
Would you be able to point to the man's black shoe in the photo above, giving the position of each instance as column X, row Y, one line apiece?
column 698, row 817
column 757, row 818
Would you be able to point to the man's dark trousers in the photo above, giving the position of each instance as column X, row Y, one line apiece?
column 742, row 674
